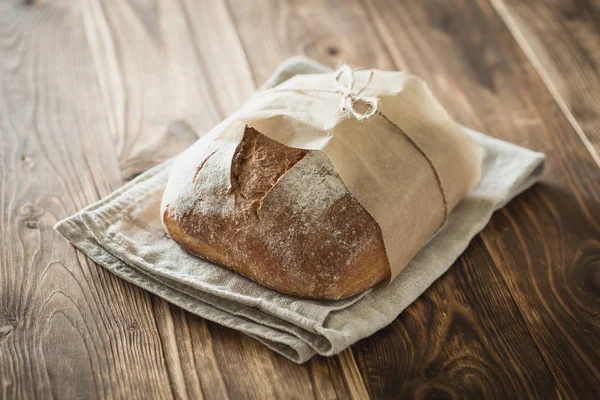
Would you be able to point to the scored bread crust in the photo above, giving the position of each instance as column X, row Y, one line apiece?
column 292, row 226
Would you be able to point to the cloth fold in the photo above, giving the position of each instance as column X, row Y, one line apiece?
column 124, row 234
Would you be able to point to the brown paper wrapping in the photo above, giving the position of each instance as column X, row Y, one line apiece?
column 408, row 165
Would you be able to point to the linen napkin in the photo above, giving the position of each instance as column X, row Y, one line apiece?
column 123, row 233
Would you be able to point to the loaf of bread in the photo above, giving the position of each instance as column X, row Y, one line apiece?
column 324, row 185
column 278, row 215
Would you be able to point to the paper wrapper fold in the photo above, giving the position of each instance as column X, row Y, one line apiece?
column 409, row 165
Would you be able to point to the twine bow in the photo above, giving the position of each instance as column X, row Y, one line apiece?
column 350, row 99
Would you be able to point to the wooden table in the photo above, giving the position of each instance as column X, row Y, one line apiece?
column 93, row 92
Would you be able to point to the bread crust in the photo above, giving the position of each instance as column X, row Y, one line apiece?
column 293, row 227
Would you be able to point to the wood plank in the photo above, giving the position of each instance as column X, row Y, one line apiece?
column 140, row 45
column 153, row 86
column 273, row 31
column 562, row 40
column 543, row 244
column 68, row 329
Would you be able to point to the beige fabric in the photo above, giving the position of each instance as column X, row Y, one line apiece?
column 124, row 234
column 399, row 164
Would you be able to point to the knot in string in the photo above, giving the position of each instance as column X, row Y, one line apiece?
column 353, row 104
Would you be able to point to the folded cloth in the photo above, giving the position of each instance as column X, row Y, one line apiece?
column 123, row 233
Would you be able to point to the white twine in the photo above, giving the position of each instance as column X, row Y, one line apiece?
column 350, row 99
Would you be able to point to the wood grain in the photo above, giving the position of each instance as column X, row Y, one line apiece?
column 562, row 40
column 273, row 31
column 151, row 80
column 67, row 328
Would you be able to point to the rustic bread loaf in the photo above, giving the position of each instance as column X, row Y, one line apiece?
column 286, row 220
